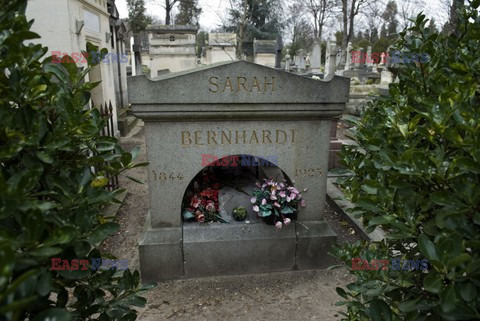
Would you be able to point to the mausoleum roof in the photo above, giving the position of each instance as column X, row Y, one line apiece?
column 172, row 28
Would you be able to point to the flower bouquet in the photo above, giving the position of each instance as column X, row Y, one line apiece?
column 276, row 202
column 204, row 207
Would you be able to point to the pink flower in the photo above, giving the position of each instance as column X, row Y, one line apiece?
column 276, row 204
column 288, row 198
column 287, row 221
column 273, row 197
column 278, row 225
column 264, row 201
column 299, row 196
column 256, row 208
column 210, row 206
column 282, row 194
column 195, row 201
column 253, row 200
column 302, row 203
column 201, row 218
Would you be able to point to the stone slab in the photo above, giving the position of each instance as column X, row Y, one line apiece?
column 341, row 205
column 314, row 240
column 237, row 249
column 160, row 253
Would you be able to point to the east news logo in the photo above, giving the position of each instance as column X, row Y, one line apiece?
column 398, row 264
column 97, row 264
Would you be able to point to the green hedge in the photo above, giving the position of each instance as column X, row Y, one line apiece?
column 416, row 173
column 50, row 198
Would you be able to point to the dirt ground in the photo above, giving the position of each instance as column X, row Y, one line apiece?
column 294, row 295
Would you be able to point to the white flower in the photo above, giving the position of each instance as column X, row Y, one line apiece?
column 253, row 200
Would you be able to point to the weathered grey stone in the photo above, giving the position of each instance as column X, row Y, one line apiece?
column 314, row 240
column 230, row 109
column 221, row 249
column 160, row 252
column 316, row 57
column 349, row 57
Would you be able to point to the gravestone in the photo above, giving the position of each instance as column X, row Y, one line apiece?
column 369, row 60
column 331, row 54
column 301, row 60
column 231, row 109
column 349, row 57
column 316, row 57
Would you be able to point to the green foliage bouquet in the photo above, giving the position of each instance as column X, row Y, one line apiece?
column 276, row 202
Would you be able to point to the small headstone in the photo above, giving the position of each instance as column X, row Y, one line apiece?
column 327, row 55
column 316, row 57
column 349, row 57
column 301, row 61
column 369, row 60
column 331, row 59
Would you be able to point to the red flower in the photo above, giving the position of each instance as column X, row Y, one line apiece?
column 195, row 202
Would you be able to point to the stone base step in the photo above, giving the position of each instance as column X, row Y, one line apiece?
column 126, row 124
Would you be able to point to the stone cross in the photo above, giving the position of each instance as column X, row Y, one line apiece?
column 236, row 108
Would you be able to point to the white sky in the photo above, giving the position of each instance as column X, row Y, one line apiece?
column 213, row 11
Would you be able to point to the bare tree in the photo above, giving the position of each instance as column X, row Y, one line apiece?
column 300, row 28
column 168, row 6
column 242, row 23
column 452, row 25
column 350, row 9
column 409, row 9
column 372, row 12
column 445, row 9
column 320, row 11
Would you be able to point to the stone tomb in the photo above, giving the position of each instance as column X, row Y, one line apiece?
column 236, row 108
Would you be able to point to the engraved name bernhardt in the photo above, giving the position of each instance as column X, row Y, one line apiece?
column 228, row 137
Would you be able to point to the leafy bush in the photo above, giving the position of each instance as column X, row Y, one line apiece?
column 50, row 198
column 416, row 174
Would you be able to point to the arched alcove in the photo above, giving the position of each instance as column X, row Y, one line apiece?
column 226, row 183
